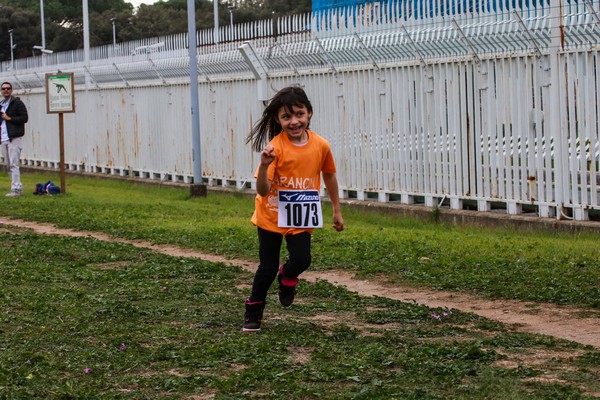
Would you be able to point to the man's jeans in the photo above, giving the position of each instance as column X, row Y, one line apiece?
column 12, row 157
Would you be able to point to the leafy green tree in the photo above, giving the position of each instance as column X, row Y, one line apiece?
column 63, row 20
column 23, row 24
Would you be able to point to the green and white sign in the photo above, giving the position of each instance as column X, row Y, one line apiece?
column 60, row 93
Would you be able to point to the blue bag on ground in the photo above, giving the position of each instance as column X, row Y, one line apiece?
column 47, row 188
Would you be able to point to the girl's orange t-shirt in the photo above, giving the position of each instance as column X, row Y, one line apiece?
column 296, row 167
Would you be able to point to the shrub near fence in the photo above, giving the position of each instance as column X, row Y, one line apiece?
column 479, row 108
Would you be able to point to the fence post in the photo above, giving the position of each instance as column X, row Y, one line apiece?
column 557, row 123
column 257, row 68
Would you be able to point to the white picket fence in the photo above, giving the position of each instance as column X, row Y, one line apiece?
column 466, row 104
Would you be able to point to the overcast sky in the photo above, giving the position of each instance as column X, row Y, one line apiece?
column 136, row 3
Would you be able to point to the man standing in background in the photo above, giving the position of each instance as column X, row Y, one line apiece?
column 12, row 129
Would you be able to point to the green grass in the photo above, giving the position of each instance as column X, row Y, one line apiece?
column 86, row 319
column 497, row 263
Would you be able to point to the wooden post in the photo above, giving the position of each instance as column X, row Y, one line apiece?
column 61, row 139
column 60, row 98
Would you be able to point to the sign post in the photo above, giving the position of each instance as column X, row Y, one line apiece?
column 60, row 99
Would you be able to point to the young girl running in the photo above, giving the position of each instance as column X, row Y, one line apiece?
column 287, row 204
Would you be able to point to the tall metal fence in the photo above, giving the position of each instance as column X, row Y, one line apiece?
column 487, row 104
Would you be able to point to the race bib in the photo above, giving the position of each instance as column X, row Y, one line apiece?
column 299, row 209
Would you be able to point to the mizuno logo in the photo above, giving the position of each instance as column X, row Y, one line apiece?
column 301, row 196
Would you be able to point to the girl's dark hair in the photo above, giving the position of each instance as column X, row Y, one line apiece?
column 268, row 127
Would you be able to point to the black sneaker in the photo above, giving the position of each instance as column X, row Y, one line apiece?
column 253, row 317
column 287, row 288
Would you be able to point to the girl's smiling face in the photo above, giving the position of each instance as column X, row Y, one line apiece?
column 294, row 121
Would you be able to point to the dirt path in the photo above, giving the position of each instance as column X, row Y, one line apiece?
column 577, row 325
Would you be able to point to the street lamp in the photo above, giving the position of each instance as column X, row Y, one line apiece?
column 43, row 49
column 114, row 21
column 12, row 47
column 42, row 24
column 231, row 7
column 44, row 52
column 216, row 17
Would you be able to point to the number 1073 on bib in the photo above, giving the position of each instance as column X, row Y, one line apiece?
column 299, row 209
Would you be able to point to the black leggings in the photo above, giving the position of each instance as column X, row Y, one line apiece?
column 269, row 249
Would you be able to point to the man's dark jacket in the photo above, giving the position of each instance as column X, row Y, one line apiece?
column 18, row 113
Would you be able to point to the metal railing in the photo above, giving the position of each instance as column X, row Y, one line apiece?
column 460, row 103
